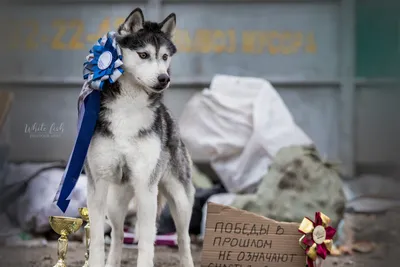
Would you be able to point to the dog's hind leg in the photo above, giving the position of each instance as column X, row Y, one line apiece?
column 119, row 197
column 180, row 197
column 161, row 201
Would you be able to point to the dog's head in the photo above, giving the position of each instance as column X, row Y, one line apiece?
column 147, row 49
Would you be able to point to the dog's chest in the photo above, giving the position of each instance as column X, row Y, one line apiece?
column 128, row 116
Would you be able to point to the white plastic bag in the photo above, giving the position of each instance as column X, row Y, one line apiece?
column 240, row 123
column 33, row 208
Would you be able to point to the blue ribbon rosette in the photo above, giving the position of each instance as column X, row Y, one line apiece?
column 104, row 63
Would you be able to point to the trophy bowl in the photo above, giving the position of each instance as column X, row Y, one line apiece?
column 65, row 225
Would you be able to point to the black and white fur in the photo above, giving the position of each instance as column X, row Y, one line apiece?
column 136, row 151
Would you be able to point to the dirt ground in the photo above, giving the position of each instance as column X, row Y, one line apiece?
column 380, row 230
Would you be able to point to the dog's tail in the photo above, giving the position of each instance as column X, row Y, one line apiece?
column 161, row 202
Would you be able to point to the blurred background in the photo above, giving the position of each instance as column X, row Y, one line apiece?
column 332, row 63
column 335, row 64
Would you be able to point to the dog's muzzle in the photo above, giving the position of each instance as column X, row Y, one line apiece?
column 163, row 82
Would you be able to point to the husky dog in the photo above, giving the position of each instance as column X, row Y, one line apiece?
column 136, row 151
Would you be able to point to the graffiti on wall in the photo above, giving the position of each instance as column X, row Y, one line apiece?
column 70, row 35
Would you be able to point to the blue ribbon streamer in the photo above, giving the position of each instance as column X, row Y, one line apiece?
column 75, row 165
column 88, row 110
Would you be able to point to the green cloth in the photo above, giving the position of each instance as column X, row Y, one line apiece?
column 298, row 184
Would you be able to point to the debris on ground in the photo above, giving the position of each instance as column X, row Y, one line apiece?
column 345, row 250
column 363, row 247
column 335, row 251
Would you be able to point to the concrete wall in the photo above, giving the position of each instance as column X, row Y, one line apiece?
column 305, row 48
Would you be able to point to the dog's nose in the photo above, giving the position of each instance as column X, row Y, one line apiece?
column 163, row 79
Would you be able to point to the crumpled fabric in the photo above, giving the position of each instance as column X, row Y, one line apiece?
column 239, row 123
column 26, row 196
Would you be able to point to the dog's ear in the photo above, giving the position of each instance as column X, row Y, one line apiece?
column 133, row 23
column 168, row 25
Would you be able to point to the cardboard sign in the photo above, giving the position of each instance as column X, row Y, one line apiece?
column 237, row 238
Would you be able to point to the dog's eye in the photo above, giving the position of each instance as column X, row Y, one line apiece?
column 165, row 57
column 143, row 55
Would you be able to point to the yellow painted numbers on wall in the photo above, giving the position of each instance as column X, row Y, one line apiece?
column 206, row 41
column 252, row 42
column 71, row 35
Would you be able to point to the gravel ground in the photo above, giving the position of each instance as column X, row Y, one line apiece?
column 381, row 229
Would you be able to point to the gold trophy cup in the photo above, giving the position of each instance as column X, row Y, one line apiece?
column 85, row 216
column 64, row 226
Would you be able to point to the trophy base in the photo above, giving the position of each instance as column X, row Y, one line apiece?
column 86, row 264
column 60, row 263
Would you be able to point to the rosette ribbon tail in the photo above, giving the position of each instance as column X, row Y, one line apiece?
column 310, row 262
column 86, row 125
